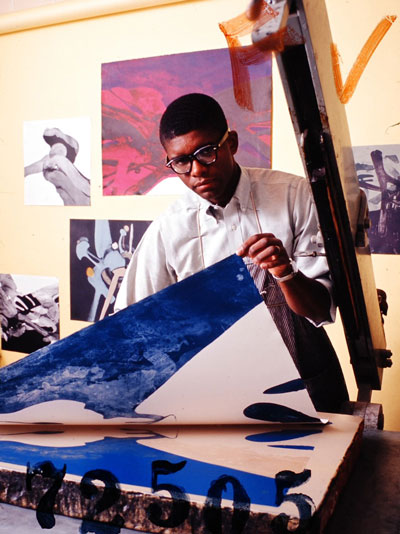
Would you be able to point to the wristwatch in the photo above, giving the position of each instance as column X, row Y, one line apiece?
column 289, row 276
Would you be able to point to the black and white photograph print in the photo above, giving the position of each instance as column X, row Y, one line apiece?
column 378, row 172
column 57, row 162
column 29, row 312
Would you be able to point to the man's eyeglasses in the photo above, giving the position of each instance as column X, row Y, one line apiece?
column 206, row 155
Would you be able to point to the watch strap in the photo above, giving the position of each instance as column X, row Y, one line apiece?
column 289, row 276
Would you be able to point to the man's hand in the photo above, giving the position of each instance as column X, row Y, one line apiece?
column 268, row 252
column 305, row 296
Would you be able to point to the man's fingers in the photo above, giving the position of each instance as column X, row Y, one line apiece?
column 255, row 243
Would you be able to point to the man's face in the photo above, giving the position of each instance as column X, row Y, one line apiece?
column 216, row 182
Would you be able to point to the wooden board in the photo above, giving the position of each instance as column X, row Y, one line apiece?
column 186, row 479
column 322, row 133
column 318, row 25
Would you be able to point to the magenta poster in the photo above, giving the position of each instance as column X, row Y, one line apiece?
column 136, row 92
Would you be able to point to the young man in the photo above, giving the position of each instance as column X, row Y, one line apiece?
column 267, row 217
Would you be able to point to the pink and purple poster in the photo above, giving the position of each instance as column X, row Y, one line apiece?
column 136, row 92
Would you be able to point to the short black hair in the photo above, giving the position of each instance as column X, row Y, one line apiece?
column 194, row 111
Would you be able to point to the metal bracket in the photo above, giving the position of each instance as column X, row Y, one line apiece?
column 264, row 29
column 363, row 222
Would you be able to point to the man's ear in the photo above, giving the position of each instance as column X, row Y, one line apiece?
column 233, row 141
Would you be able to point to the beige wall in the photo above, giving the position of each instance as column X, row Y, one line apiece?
column 65, row 60
column 7, row 6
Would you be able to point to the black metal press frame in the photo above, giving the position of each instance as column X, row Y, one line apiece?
column 297, row 66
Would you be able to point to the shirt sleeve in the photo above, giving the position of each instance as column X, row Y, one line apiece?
column 148, row 271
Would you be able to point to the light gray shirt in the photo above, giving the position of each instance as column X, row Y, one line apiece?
column 193, row 234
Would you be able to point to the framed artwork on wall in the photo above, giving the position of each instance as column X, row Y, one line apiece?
column 57, row 162
column 100, row 251
column 378, row 172
column 136, row 92
column 29, row 312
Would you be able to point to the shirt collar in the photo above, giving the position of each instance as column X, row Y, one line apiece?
column 241, row 195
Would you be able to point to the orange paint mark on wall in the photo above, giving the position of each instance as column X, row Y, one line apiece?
column 346, row 91
column 242, row 56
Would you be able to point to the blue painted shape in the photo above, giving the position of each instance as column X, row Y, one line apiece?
column 287, row 387
column 131, row 461
column 113, row 365
column 296, row 447
column 282, row 435
column 277, row 413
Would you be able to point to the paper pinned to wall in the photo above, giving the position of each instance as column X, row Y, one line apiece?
column 203, row 351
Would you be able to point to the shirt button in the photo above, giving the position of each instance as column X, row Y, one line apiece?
column 233, row 227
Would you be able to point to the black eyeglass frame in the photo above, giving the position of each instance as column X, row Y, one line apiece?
column 193, row 156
